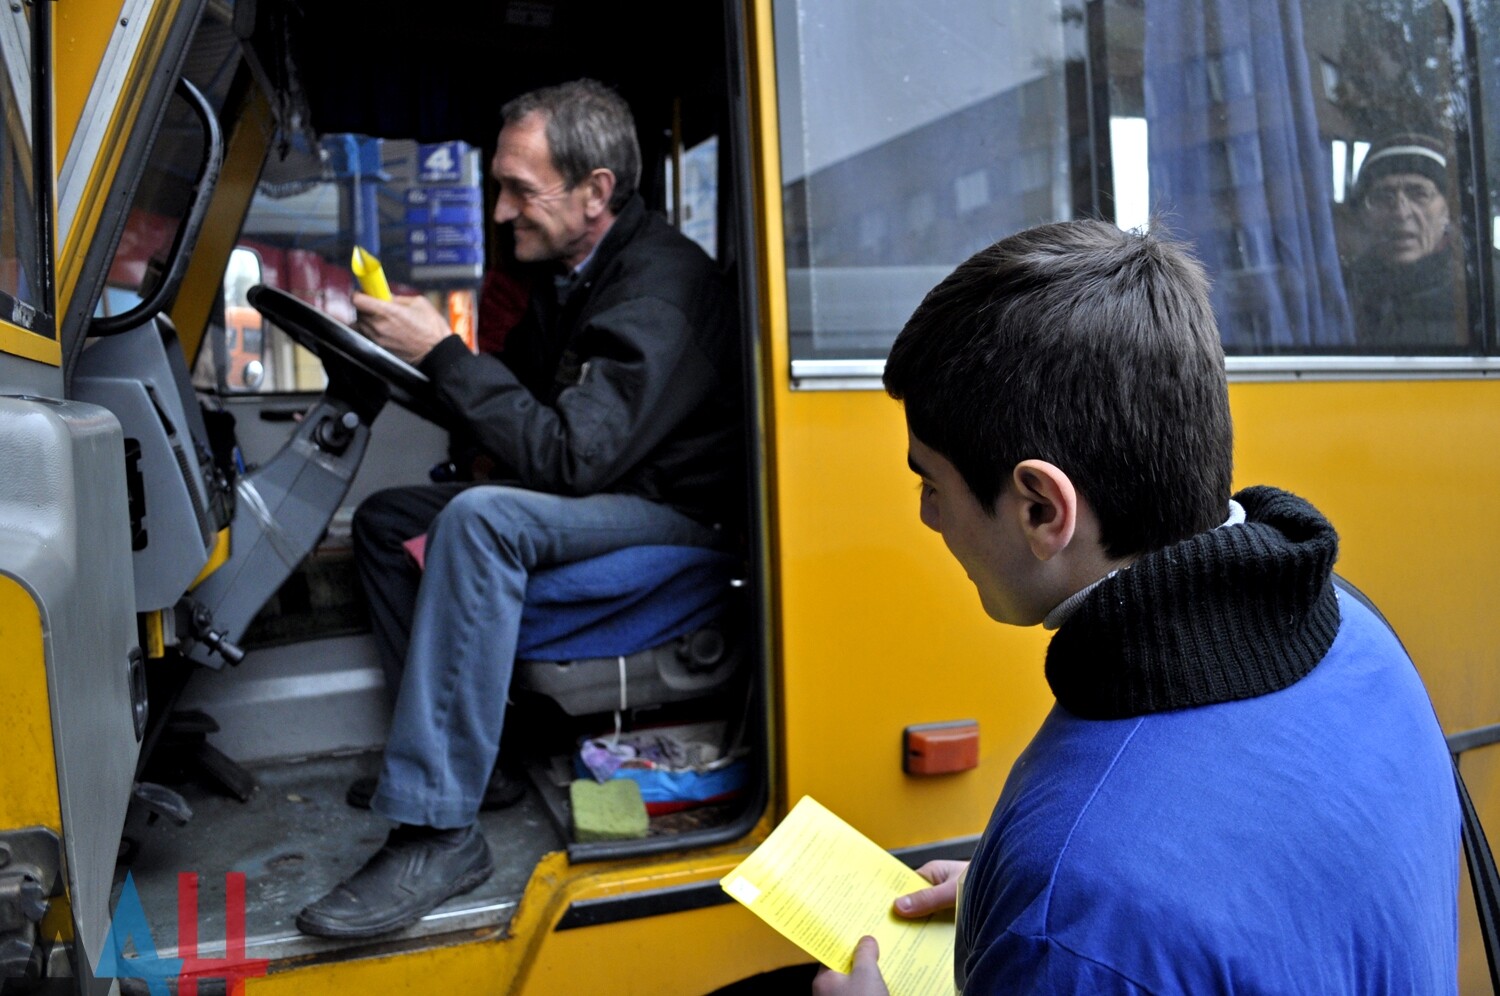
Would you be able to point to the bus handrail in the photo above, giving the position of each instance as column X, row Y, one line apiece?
column 1467, row 740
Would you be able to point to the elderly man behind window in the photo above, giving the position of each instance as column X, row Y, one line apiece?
column 1405, row 285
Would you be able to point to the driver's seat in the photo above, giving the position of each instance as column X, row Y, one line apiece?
column 639, row 627
column 635, row 628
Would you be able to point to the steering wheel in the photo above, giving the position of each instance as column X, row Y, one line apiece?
column 409, row 387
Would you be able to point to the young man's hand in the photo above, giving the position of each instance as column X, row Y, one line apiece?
column 943, row 894
column 863, row 979
column 407, row 326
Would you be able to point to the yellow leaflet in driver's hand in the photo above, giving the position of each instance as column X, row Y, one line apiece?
column 370, row 274
column 825, row 885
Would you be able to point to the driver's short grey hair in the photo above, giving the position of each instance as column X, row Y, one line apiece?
column 588, row 127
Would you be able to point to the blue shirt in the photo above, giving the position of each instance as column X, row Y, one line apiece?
column 1302, row 841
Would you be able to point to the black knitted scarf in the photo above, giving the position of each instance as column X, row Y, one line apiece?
column 1228, row 614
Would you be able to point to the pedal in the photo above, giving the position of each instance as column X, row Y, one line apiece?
column 162, row 801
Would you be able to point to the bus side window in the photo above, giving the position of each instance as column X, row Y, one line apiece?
column 20, row 257
column 1309, row 153
column 1315, row 154
column 910, row 140
column 1487, row 31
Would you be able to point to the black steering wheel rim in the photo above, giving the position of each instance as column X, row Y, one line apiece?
column 409, row 387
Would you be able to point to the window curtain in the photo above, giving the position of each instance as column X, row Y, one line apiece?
column 1237, row 168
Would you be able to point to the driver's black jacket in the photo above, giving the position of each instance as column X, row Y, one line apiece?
column 625, row 379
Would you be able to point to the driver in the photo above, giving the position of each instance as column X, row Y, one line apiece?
column 613, row 419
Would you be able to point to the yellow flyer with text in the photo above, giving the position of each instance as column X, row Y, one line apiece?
column 825, row 885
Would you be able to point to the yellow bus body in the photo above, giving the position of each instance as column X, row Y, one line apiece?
column 871, row 626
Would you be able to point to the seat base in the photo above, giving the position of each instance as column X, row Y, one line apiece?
column 692, row 666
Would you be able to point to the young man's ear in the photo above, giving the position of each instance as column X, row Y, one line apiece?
column 600, row 186
column 1048, row 508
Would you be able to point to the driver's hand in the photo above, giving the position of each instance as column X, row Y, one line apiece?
column 409, row 327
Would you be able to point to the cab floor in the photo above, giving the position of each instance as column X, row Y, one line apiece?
column 294, row 840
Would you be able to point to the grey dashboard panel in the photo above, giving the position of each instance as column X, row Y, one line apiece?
column 141, row 376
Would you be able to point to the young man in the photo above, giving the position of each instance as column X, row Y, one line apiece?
column 1242, row 786
column 613, row 415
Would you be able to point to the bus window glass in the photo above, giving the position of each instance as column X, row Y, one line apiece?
column 19, row 276
column 1486, row 18
column 699, row 215
column 912, row 134
column 417, row 207
column 243, row 361
column 1309, row 151
column 161, row 205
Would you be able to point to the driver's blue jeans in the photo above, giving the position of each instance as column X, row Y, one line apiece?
column 481, row 547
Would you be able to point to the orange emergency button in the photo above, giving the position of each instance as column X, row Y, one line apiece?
column 940, row 748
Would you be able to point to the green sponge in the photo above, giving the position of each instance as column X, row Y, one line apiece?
column 612, row 811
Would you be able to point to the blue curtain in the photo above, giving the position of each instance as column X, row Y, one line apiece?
column 1237, row 168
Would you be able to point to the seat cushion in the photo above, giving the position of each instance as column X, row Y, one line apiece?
column 622, row 602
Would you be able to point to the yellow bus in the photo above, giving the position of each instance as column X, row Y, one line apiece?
column 182, row 640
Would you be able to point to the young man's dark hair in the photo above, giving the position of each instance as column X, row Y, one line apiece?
column 589, row 126
column 1088, row 347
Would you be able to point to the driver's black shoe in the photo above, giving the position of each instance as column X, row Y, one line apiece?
column 413, row 873
column 502, row 791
